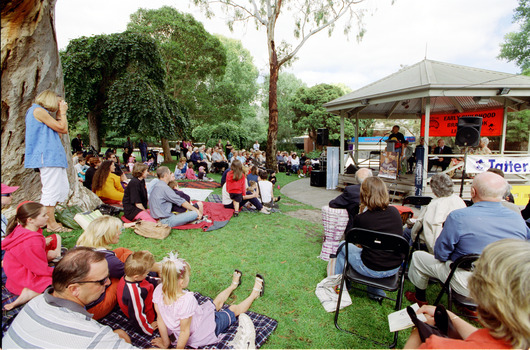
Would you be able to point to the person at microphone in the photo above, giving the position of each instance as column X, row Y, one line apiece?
column 399, row 139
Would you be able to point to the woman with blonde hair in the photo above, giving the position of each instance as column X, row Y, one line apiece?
column 45, row 120
column 100, row 235
column 500, row 284
column 376, row 215
column 106, row 184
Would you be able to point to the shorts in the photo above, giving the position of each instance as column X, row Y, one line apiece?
column 55, row 185
column 238, row 197
column 223, row 319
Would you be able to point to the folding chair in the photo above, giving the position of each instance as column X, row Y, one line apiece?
column 463, row 262
column 418, row 202
column 380, row 241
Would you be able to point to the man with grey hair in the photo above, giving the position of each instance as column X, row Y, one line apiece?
column 430, row 221
column 467, row 231
column 162, row 197
column 349, row 199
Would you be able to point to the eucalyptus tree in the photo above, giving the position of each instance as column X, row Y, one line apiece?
column 308, row 17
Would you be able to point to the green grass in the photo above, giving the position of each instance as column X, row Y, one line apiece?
column 284, row 250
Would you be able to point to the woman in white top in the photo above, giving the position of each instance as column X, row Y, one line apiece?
column 266, row 189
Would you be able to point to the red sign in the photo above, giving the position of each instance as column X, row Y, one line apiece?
column 445, row 124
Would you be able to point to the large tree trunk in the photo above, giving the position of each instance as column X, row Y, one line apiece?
column 167, row 150
column 93, row 136
column 272, row 133
column 30, row 64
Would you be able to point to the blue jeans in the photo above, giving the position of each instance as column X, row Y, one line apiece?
column 407, row 234
column 355, row 261
column 180, row 219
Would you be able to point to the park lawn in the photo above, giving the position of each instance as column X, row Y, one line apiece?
column 284, row 250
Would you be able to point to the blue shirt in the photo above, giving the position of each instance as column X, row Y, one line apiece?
column 43, row 144
column 470, row 230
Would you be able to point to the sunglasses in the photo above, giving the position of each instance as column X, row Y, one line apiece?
column 6, row 194
column 101, row 281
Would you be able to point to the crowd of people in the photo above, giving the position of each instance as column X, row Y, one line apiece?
column 67, row 292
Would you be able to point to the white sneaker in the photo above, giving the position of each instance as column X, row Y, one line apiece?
column 245, row 337
column 264, row 211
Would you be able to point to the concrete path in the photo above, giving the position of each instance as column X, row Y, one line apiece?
column 302, row 191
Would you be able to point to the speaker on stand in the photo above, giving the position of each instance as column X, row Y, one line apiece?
column 467, row 135
column 322, row 137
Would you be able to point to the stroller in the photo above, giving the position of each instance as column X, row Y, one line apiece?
column 152, row 160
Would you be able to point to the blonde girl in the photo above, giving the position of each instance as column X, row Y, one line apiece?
column 181, row 320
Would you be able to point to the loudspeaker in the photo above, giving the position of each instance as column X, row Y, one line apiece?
column 322, row 137
column 318, row 178
column 468, row 131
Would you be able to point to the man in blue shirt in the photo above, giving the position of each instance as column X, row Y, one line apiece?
column 467, row 231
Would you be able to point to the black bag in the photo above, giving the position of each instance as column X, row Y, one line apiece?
column 443, row 326
column 106, row 209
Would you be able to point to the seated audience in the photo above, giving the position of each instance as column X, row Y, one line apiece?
column 106, row 184
column 236, row 190
column 266, row 190
column 349, row 199
column 162, row 198
column 295, row 163
column 135, row 196
column 442, row 162
column 182, row 321
column 431, row 219
column 135, row 292
column 219, row 161
column 27, row 253
column 58, row 318
column 177, row 209
column 466, row 231
column 500, row 285
column 196, row 158
column 94, row 163
column 253, row 175
column 99, row 235
column 376, row 215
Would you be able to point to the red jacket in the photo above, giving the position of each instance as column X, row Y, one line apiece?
column 233, row 186
column 25, row 262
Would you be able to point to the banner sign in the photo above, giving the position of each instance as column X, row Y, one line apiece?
column 375, row 139
column 509, row 165
column 445, row 124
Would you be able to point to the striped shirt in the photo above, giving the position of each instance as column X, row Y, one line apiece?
column 54, row 323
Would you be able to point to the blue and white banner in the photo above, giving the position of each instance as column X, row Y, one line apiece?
column 509, row 165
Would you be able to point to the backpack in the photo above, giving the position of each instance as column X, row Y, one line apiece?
column 152, row 229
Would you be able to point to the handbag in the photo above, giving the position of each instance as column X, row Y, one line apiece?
column 152, row 229
column 443, row 326
column 106, row 209
column 327, row 295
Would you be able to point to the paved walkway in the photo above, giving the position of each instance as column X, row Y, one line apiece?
column 302, row 191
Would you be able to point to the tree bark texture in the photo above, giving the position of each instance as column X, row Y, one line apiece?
column 93, row 136
column 272, row 133
column 30, row 65
column 166, row 150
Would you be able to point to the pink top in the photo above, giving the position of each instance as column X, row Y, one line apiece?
column 202, row 328
column 190, row 174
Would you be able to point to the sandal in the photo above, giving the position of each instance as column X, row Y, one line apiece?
column 236, row 213
column 240, row 277
column 262, row 290
column 58, row 229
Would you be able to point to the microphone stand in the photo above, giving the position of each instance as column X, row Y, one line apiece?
column 463, row 172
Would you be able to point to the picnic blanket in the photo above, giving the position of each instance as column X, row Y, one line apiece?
column 216, row 213
column 197, row 195
column 264, row 327
column 117, row 320
column 199, row 184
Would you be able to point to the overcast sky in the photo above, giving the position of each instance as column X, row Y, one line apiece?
column 466, row 32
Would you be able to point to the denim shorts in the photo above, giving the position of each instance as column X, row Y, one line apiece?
column 223, row 320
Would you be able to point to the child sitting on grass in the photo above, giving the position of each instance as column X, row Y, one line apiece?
column 181, row 320
column 177, row 209
column 180, row 169
column 27, row 253
column 135, row 291
column 190, row 174
column 266, row 190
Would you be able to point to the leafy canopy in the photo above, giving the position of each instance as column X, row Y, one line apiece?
column 516, row 46
column 192, row 56
column 120, row 79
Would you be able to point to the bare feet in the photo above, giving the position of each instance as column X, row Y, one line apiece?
column 129, row 224
column 26, row 295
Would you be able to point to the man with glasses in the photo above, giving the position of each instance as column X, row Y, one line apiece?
column 57, row 318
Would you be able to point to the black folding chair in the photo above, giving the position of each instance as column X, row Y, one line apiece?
column 379, row 241
column 463, row 262
column 418, row 202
